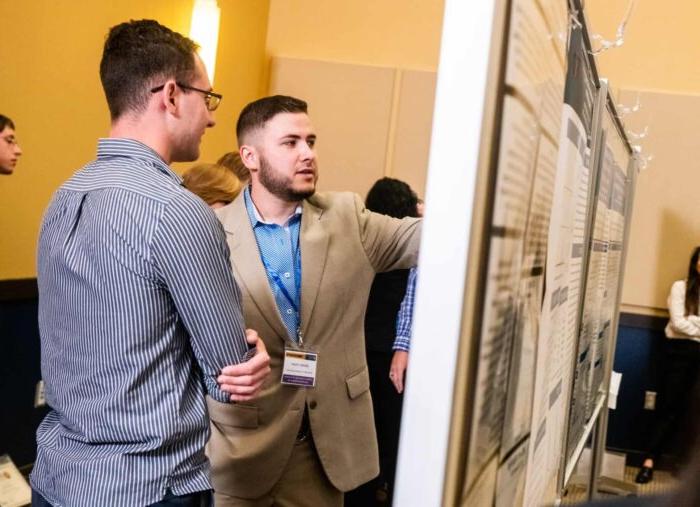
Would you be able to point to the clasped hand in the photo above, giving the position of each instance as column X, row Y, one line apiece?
column 245, row 380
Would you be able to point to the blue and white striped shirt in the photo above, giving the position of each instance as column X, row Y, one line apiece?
column 280, row 253
column 138, row 313
column 404, row 319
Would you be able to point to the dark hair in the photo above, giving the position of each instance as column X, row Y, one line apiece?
column 692, row 284
column 137, row 55
column 5, row 122
column 392, row 197
column 233, row 162
column 259, row 112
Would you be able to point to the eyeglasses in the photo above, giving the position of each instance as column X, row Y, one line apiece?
column 211, row 99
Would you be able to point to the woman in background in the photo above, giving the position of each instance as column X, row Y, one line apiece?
column 683, row 303
column 395, row 198
column 214, row 184
column 680, row 369
column 232, row 161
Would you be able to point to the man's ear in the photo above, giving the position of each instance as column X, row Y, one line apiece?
column 170, row 97
column 249, row 157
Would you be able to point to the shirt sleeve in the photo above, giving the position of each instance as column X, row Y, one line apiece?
column 191, row 254
column 676, row 309
column 404, row 319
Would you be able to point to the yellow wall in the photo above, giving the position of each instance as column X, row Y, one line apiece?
column 391, row 33
column 661, row 50
column 658, row 63
column 335, row 46
column 50, row 87
column 661, row 53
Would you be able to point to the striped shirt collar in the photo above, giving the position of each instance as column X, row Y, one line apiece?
column 109, row 147
column 254, row 214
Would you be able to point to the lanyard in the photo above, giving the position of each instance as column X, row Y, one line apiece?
column 280, row 284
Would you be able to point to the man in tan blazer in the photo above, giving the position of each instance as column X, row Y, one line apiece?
column 301, row 445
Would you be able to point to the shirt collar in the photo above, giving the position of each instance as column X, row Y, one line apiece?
column 254, row 215
column 130, row 148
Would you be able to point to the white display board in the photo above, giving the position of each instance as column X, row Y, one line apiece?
column 516, row 307
column 454, row 158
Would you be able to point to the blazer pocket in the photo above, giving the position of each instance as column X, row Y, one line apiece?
column 358, row 383
column 233, row 414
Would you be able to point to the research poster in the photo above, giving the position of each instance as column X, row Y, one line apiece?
column 518, row 413
column 499, row 321
column 543, row 338
column 517, row 247
column 528, row 159
column 612, row 201
column 557, row 339
column 481, row 492
column 556, row 14
column 510, row 482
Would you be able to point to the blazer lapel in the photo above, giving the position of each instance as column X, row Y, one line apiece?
column 314, row 247
column 247, row 264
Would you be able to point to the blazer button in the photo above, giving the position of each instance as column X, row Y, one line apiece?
column 312, row 405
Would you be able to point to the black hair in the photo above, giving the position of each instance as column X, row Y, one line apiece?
column 392, row 197
column 257, row 113
column 5, row 122
column 692, row 284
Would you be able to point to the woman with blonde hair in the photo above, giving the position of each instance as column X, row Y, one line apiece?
column 233, row 162
column 214, row 184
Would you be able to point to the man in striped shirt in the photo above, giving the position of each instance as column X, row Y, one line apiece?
column 139, row 313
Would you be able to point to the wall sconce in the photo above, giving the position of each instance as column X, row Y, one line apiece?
column 204, row 30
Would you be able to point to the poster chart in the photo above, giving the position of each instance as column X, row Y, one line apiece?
column 591, row 324
column 612, row 203
column 504, row 271
column 556, row 343
column 512, row 300
column 601, row 280
column 556, row 13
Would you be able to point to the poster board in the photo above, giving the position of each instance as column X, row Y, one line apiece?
column 603, row 270
column 545, row 247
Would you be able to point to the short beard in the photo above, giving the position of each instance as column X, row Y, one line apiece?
column 280, row 186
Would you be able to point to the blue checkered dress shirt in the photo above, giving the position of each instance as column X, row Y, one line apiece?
column 280, row 253
column 404, row 319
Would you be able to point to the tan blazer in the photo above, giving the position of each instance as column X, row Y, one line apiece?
column 342, row 247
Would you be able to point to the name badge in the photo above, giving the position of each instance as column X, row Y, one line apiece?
column 299, row 368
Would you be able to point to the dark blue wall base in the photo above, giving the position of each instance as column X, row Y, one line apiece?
column 638, row 356
column 642, row 358
column 634, row 358
column 20, row 372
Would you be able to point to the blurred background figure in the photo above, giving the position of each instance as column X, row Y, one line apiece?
column 394, row 198
column 678, row 363
column 420, row 207
column 9, row 149
column 404, row 325
column 232, row 161
column 214, row 184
